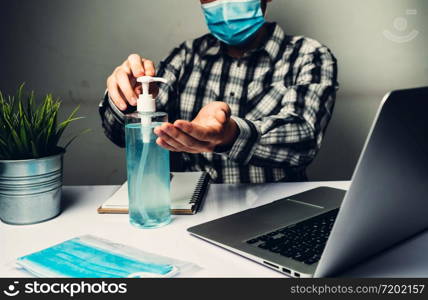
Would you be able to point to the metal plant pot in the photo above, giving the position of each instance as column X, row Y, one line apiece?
column 30, row 190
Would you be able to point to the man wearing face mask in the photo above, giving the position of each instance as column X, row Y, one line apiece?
column 247, row 103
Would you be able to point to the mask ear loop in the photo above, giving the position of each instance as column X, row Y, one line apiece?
column 172, row 273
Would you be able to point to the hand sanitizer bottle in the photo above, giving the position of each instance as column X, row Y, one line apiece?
column 147, row 163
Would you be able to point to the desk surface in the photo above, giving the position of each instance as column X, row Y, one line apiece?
column 80, row 217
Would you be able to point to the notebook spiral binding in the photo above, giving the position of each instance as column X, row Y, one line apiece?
column 200, row 192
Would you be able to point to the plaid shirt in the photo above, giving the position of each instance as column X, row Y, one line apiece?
column 281, row 96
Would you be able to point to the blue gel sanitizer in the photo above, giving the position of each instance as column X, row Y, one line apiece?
column 147, row 163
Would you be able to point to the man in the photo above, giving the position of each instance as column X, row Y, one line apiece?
column 246, row 103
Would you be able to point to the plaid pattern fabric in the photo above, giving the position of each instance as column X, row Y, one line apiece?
column 281, row 96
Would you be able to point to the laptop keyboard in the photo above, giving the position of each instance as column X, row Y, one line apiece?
column 303, row 241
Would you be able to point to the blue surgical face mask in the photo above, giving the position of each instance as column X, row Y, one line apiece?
column 79, row 259
column 233, row 21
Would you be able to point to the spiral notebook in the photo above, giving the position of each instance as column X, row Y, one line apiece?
column 188, row 191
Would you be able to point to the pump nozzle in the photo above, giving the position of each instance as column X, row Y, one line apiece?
column 146, row 102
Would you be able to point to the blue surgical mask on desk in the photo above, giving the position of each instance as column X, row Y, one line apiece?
column 233, row 21
column 78, row 259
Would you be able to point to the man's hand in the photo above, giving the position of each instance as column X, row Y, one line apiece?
column 212, row 127
column 122, row 85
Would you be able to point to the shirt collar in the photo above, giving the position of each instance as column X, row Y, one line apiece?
column 271, row 46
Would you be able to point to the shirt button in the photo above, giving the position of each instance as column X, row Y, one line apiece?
column 232, row 94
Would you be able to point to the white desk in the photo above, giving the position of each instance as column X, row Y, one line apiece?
column 80, row 217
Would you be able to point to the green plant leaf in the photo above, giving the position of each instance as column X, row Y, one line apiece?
column 18, row 142
column 29, row 129
column 34, row 150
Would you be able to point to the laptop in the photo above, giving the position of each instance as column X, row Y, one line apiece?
column 324, row 231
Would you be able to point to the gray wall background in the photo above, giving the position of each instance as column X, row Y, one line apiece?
column 70, row 47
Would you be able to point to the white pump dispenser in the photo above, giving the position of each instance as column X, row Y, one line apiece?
column 146, row 104
column 148, row 163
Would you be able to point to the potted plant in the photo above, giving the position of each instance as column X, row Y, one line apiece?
column 31, row 160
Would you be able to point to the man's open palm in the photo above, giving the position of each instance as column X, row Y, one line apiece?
column 212, row 127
